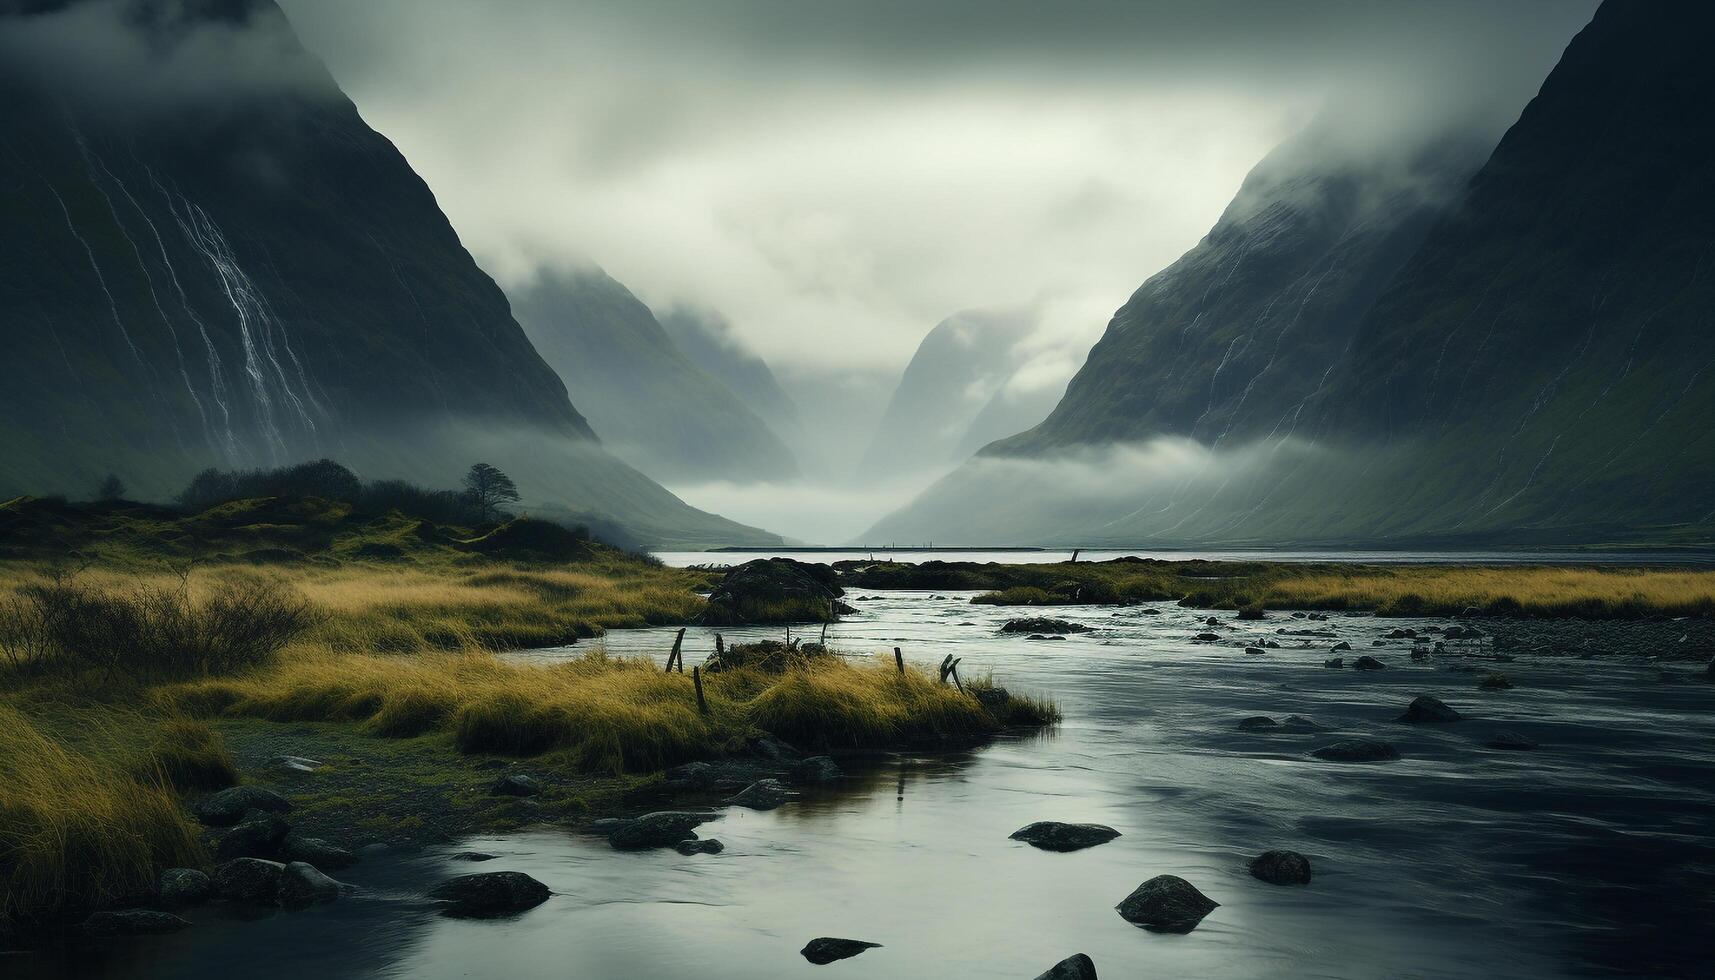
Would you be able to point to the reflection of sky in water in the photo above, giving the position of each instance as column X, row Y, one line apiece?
column 1455, row 862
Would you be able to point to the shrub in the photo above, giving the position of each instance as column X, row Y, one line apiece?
column 188, row 755
column 150, row 632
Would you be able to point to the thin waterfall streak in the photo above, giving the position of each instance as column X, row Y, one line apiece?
column 148, row 279
column 112, row 306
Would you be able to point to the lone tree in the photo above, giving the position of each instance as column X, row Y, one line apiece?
column 489, row 488
column 110, row 488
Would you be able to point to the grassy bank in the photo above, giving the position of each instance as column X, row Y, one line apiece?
column 1389, row 590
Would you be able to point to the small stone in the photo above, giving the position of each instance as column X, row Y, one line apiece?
column 474, row 856
column 1208, row 637
column 694, row 775
column 489, row 894
column 259, row 836
column 690, row 847
column 764, row 794
column 1051, row 835
column 229, row 806
column 819, row 769
column 1298, row 725
column 132, row 922
column 1511, row 742
column 1367, row 662
column 515, row 784
column 1429, row 710
column 1358, row 750
column 1340, row 647
column 184, row 886
column 318, row 852
column 1281, row 868
column 1166, row 903
column 249, row 880
column 301, row 884
column 1495, row 682
column 1253, row 650
column 1075, row 967
column 1258, row 723
column 1334, row 663
column 827, row 949
column 661, row 829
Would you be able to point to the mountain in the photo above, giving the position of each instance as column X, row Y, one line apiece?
column 1532, row 366
column 708, row 340
column 213, row 261
column 651, row 405
column 956, row 372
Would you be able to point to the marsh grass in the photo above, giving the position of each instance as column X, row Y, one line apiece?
column 81, row 829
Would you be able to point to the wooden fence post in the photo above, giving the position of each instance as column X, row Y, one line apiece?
column 720, row 647
column 697, row 680
column 899, row 660
column 677, row 654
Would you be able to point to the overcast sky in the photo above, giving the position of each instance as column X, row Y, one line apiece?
column 839, row 177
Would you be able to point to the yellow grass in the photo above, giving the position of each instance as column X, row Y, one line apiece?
column 78, row 830
column 1527, row 590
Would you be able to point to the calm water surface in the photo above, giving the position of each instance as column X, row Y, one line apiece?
column 683, row 559
column 1591, row 856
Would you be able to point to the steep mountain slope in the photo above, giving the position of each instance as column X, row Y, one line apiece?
column 651, row 405
column 1541, row 370
column 212, row 260
column 958, row 368
column 707, row 339
column 1228, row 342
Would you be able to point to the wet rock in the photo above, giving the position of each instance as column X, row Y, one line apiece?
column 1297, row 615
column 229, row 806
column 1378, row 643
column 827, row 949
column 1253, row 650
column 1462, row 633
column 1358, row 750
column 690, row 847
column 775, row 590
column 1042, row 624
column 1318, row 616
column 1299, row 725
column 489, row 894
column 1429, row 710
column 132, row 922
column 474, row 856
column 1334, row 663
column 764, row 794
column 249, row 880
column 1511, row 742
column 773, row 749
column 691, row 775
column 1051, row 835
column 662, row 829
column 515, row 784
column 1166, row 903
column 1340, row 647
column 1211, row 621
column 1419, row 654
column 179, row 887
column 1495, row 682
column 1075, row 967
column 1271, row 644
column 1258, row 723
column 1208, row 637
column 318, row 852
column 822, row 769
column 1367, row 662
column 301, row 884
column 259, row 836
column 1281, row 868
column 1041, row 636
column 1402, row 634
column 1252, row 613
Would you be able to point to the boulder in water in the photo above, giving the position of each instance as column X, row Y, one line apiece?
column 1075, row 967
column 489, row 894
column 1281, row 868
column 1429, row 710
column 301, row 885
column 1298, row 725
column 775, row 590
column 318, row 852
column 132, row 922
column 1258, row 723
column 1341, row 647
column 249, row 880
column 1358, row 750
column 764, row 794
column 828, row 949
column 1166, row 903
column 1367, row 662
column 823, row 769
column 1042, row 624
column 184, row 886
column 690, row 847
column 259, row 836
column 1052, row 835
column 661, row 829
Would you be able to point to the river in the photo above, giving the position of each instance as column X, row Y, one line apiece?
column 1593, row 855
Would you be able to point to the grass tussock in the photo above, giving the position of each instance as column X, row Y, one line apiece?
column 602, row 714
column 1533, row 591
column 80, row 830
